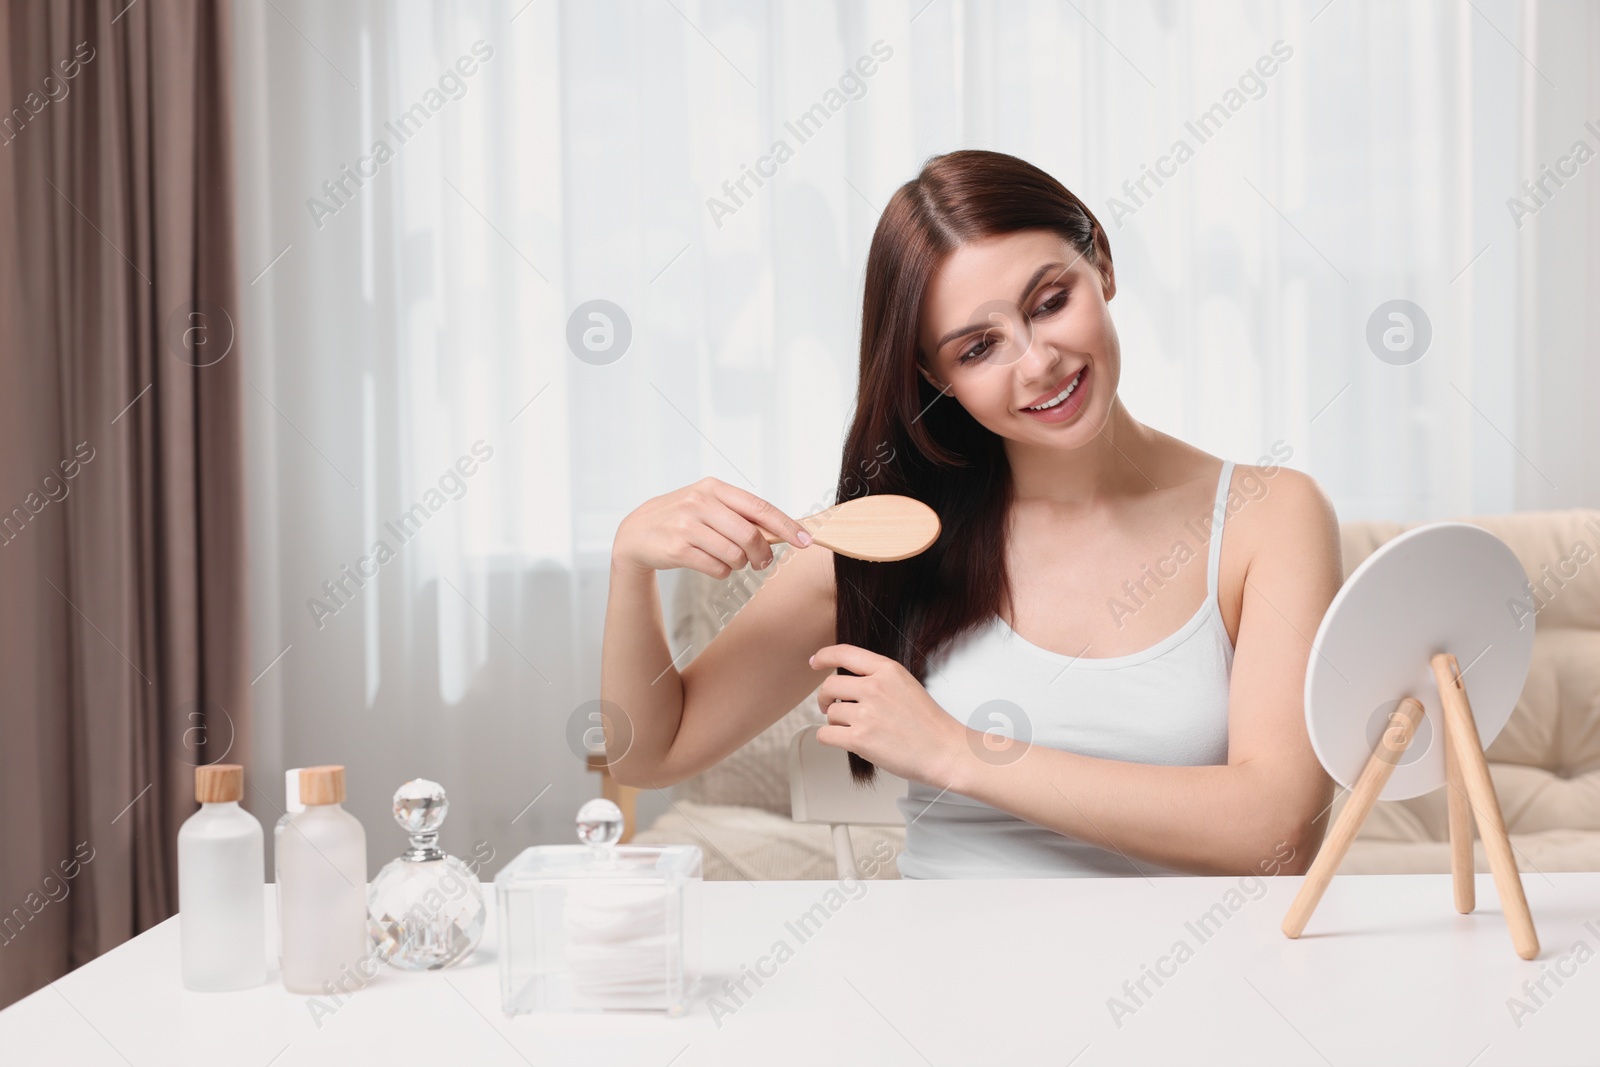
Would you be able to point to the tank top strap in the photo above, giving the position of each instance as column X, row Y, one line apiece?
column 1219, row 515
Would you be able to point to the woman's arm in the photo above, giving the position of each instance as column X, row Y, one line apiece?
column 633, row 651
column 1273, row 791
column 753, row 671
column 654, row 725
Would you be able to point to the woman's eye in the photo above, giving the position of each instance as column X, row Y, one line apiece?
column 980, row 349
column 1053, row 304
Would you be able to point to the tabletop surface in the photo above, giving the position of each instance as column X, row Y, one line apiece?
column 1027, row 971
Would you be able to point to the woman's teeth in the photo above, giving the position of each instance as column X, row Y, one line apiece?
column 1059, row 397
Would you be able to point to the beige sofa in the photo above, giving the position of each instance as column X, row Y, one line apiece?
column 1545, row 763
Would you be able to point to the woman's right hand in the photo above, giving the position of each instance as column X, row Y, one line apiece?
column 710, row 526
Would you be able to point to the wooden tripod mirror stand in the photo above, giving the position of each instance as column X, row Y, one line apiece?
column 1387, row 708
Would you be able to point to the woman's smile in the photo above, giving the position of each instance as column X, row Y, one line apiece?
column 1064, row 408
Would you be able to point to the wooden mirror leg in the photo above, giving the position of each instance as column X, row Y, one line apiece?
column 1462, row 732
column 1462, row 871
column 1391, row 746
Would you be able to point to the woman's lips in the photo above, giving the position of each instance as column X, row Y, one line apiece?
column 1055, row 390
column 1069, row 407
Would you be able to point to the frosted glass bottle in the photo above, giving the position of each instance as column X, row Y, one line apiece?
column 322, row 886
column 221, row 929
column 291, row 804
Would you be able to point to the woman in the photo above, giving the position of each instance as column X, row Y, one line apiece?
column 1082, row 676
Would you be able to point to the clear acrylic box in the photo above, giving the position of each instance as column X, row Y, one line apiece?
column 599, row 927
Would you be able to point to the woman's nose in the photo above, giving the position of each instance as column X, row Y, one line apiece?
column 1040, row 360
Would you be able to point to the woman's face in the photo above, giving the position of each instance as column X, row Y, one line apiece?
column 1013, row 322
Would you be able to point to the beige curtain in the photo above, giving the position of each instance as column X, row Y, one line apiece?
column 122, row 645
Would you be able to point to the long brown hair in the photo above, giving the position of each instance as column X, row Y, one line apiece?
column 936, row 452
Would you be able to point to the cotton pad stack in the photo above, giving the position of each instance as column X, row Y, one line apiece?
column 622, row 944
column 600, row 926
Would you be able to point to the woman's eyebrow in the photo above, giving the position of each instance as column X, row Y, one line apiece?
column 1026, row 289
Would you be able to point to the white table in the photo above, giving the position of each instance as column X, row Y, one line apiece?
column 957, row 973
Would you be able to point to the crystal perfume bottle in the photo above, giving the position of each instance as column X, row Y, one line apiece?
column 426, row 909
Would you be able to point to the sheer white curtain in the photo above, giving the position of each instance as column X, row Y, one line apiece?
column 437, row 474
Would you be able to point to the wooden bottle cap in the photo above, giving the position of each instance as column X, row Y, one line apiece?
column 322, row 785
column 219, row 783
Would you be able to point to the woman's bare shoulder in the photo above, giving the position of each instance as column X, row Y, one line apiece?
column 1173, row 462
column 1284, row 513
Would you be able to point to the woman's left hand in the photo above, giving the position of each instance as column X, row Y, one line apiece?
column 884, row 715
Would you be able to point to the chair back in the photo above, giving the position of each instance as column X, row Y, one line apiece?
column 821, row 790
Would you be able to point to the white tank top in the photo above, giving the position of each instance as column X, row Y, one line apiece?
column 1167, row 704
